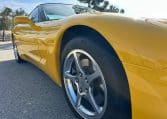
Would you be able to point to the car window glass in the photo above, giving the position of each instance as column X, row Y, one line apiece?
column 55, row 12
column 34, row 16
column 60, row 11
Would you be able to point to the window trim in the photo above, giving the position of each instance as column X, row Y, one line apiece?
column 44, row 14
column 37, row 8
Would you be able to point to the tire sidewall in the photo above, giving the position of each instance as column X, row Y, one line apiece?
column 16, row 52
column 112, row 70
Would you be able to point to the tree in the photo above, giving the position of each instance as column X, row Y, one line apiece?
column 102, row 5
column 19, row 12
column 5, row 14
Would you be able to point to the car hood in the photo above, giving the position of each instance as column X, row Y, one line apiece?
column 158, row 22
column 147, row 38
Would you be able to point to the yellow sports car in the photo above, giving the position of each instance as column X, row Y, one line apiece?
column 110, row 66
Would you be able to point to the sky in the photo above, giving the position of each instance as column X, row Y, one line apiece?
column 136, row 8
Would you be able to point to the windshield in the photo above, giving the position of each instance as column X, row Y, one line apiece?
column 60, row 11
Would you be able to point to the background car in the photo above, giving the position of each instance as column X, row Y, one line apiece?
column 110, row 66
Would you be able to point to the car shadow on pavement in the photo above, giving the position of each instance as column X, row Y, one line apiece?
column 28, row 93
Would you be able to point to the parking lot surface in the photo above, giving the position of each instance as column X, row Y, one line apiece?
column 28, row 93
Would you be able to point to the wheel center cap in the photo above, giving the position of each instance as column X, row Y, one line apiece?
column 83, row 85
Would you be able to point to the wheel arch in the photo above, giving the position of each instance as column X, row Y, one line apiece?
column 88, row 31
column 78, row 30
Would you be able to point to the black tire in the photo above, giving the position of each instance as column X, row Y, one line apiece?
column 119, row 103
column 16, row 53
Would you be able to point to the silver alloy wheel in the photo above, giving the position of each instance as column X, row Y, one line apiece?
column 84, row 84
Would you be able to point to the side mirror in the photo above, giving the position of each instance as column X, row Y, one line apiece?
column 23, row 20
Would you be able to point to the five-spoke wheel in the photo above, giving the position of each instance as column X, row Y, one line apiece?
column 94, row 80
column 85, row 84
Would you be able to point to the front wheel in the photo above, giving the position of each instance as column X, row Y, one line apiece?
column 94, row 81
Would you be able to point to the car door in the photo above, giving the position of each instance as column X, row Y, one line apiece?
column 30, row 38
column 26, row 35
column 51, row 17
column 46, row 37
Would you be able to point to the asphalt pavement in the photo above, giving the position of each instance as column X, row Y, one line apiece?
column 28, row 93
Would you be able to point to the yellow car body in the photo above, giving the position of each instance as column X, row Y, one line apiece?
column 141, row 45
